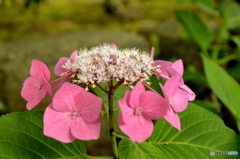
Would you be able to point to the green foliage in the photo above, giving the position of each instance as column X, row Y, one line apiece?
column 236, row 40
column 224, row 86
column 195, row 27
column 130, row 150
column 202, row 132
column 21, row 136
column 231, row 12
column 206, row 3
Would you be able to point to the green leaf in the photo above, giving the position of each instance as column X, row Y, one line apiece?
column 213, row 107
column 130, row 150
column 236, row 40
column 202, row 132
column 232, row 11
column 223, row 85
column 195, row 27
column 21, row 136
column 207, row 3
column 238, row 125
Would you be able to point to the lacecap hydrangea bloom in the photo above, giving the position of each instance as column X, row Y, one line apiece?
column 74, row 113
column 107, row 62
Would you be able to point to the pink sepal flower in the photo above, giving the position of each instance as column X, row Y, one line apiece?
column 36, row 87
column 164, row 68
column 177, row 99
column 169, row 69
column 56, row 84
column 73, row 114
column 59, row 70
column 139, row 108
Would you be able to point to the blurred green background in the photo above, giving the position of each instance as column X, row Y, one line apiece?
column 178, row 29
column 21, row 18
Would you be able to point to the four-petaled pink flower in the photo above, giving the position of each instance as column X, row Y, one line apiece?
column 36, row 87
column 139, row 108
column 177, row 98
column 73, row 114
column 169, row 69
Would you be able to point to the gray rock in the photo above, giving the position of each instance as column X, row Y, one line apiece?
column 16, row 57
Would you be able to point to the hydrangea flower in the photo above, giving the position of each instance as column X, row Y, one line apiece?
column 169, row 69
column 139, row 108
column 177, row 99
column 36, row 86
column 73, row 114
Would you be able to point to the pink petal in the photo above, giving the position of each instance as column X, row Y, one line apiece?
column 179, row 101
column 73, row 55
column 38, row 96
column 57, row 125
column 84, row 130
column 164, row 65
column 29, row 88
column 171, row 71
column 178, row 66
column 125, row 108
column 190, row 93
column 153, row 105
column 135, row 95
column 152, row 53
column 39, row 69
column 171, row 86
column 58, row 70
column 88, row 105
column 56, row 84
column 137, row 128
column 32, row 92
column 64, row 98
column 47, row 87
column 173, row 119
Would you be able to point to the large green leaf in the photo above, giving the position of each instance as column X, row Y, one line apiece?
column 202, row 132
column 223, row 85
column 130, row 150
column 21, row 136
column 195, row 27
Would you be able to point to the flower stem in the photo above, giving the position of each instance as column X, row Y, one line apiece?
column 117, row 135
column 111, row 119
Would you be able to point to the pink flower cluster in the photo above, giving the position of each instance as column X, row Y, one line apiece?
column 75, row 113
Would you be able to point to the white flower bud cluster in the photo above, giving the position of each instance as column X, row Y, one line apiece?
column 107, row 62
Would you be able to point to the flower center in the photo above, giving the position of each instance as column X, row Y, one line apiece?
column 75, row 114
column 37, row 85
column 138, row 111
